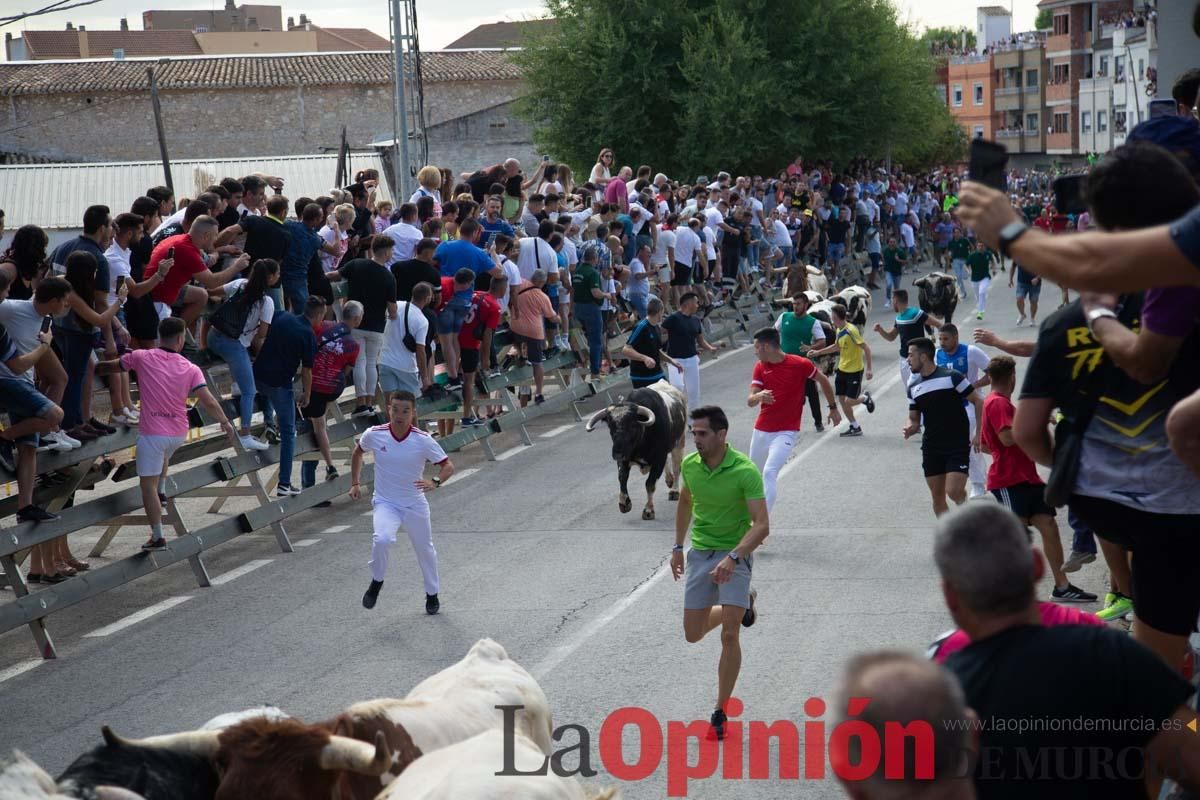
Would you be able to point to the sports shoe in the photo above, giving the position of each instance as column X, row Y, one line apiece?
column 717, row 720
column 121, row 419
column 155, row 544
column 131, row 413
column 869, row 402
column 1119, row 607
column 8, row 455
column 432, row 604
column 472, row 422
column 1077, row 560
column 538, row 399
column 32, row 513
column 751, row 614
column 83, row 434
column 286, row 490
column 359, row 410
column 96, row 424
column 271, row 433
column 1020, row 320
column 250, row 443
column 819, row 427
column 65, row 439
column 454, row 383
column 851, row 431
column 331, row 474
column 372, row 594
column 978, row 315
column 1072, row 594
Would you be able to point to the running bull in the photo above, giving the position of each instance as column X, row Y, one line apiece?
column 938, row 295
column 645, row 428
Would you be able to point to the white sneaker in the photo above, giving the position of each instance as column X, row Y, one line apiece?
column 250, row 443
column 60, row 442
column 1020, row 320
column 283, row 490
column 131, row 413
column 121, row 419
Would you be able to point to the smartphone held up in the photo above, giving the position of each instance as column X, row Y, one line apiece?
column 987, row 164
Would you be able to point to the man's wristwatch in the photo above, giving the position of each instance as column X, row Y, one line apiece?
column 677, row 548
column 1099, row 313
column 437, row 481
column 1009, row 234
column 734, row 557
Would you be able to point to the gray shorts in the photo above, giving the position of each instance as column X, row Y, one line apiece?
column 702, row 592
column 393, row 380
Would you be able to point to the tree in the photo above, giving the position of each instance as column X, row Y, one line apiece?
column 953, row 37
column 691, row 86
column 1045, row 19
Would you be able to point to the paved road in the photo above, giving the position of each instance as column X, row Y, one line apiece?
column 534, row 554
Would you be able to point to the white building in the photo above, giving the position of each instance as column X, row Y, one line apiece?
column 1116, row 95
column 992, row 24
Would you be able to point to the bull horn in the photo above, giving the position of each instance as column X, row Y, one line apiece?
column 599, row 415
column 352, row 755
column 645, row 415
column 199, row 743
column 116, row 793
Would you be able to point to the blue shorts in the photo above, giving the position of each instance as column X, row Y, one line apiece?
column 452, row 317
column 1031, row 290
column 23, row 401
column 836, row 252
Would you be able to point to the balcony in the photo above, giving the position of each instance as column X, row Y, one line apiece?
column 1074, row 40
column 968, row 59
column 1060, row 91
column 1010, row 101
column 1007, row 134
column 1060, row 141
column 1007, row 91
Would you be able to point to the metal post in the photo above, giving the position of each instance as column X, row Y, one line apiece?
column 401, row 178
column 158, row 123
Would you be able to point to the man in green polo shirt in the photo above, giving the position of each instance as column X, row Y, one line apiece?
column 587, row 297
column 723, row 491
column 800, row 332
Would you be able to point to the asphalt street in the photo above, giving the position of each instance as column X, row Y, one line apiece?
column 534, row 554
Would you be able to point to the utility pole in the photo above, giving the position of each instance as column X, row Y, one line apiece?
column 401, row 179
column 158, row 123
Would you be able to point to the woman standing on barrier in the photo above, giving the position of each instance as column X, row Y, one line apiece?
column 239, row 325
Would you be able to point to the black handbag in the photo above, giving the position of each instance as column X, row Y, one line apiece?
column 409, row 340
column 231, row 317
column 1068, row 440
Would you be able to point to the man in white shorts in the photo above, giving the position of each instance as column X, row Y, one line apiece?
column 972, row 362
column 165, row 379
column 401, row 452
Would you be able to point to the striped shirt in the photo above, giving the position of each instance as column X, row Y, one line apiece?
column 938, row 397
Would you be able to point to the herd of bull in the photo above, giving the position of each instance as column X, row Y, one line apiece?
column 443, row 740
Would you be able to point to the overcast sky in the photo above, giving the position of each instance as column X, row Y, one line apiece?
column 439, row 22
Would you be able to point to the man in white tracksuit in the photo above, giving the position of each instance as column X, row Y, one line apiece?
column 972, row 362
column 401, row 452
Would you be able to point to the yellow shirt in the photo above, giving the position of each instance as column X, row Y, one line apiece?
column 850, row 346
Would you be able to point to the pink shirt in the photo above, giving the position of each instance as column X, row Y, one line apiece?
column 615, row 192
column 1052, row 614
column 165, row 380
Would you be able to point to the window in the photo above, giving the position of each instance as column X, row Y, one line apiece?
column 1062, row 24
column 958, row 94
column 1062, row 73
column 1102, row 67
column 1062, row 123
column 978, row 93
column 201, row 29
column 1031, row 123
column 1119, row 69
column 1085, row 122
column 978, row 131
column 1101, row 121
column 1031, row 77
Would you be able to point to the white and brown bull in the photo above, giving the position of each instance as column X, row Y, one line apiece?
column 359, row 752
column 469, row 769
column 645, row 428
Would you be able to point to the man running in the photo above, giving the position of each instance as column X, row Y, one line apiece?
column 799, row 333
column 778, row 388
column 971, row 361
column 685, row 335
column 848, row 381
column 910, row 324
column 644, row 350
column 401, row 452
column 935, row 394
column 724, row 492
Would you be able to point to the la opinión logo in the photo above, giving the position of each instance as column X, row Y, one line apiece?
column 852, row 749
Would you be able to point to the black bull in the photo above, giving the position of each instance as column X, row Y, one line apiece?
column 937, row 295
column 645, row 428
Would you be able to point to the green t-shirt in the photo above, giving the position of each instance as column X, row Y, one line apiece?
column 960, row 248
column 1031, row 212
column 584, row 280
column 891, row 260
column 720, row 517
column 795, row 331
column 981, row 265
column 949, row 202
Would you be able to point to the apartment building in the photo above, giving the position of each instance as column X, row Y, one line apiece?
column 1019, row 74
column 969, row 93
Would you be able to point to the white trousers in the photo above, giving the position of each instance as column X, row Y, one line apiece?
column 981, row 290
column 687, row 381
column 388, row 519
column 905, row 372
column 769, row 452
column 977, row 474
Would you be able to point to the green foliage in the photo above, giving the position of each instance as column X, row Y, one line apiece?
column 950, row 36
column 691, row 86
column 1045, row 19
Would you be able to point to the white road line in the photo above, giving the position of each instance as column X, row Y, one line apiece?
column 144, row 614
column 723, row 355
column 466, row 473
column 305, row 543
column 336, row 528
column 20, row 668
column 507, row 454
column 238, row 572
column 561, row 653
column 556, row 431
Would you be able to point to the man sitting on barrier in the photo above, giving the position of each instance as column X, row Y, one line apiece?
column 165, row 380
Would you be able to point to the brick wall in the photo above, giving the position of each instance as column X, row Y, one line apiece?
column 244, row 123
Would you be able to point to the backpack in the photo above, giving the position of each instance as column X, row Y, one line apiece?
column 332, row 335
column 231, row 316
column 409, row 340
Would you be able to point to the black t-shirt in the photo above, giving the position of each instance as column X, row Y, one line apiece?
column 174, row 229
column 228, row 217
column 265, row 238
column 646, row 339
column 1054, row 681
column 411, row 272
column 733, row 245
column 1024, row 276
column 939, row 397
column 682, row 331
column 372, row 285
column 909, row 328
column 362, row 223
column 837, row 230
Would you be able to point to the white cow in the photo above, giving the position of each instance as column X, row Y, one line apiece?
column 817, row 282
column 467, row 771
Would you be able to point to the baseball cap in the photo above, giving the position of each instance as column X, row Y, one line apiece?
column 1177, row 134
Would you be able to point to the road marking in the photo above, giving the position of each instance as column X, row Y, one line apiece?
column 20, row 668
column 233, row 574
column 561, row 653
column 144, row 614
column 305, row 543
column 556, row 431
column 336, row 529
column 466, row 473
column 725, row 354
column 507, row 454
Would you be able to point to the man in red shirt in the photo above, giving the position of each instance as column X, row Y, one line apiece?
column 1013, row 477
column 337, row 350
column 189, row 262
column 475, row 341
column 777, row 387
